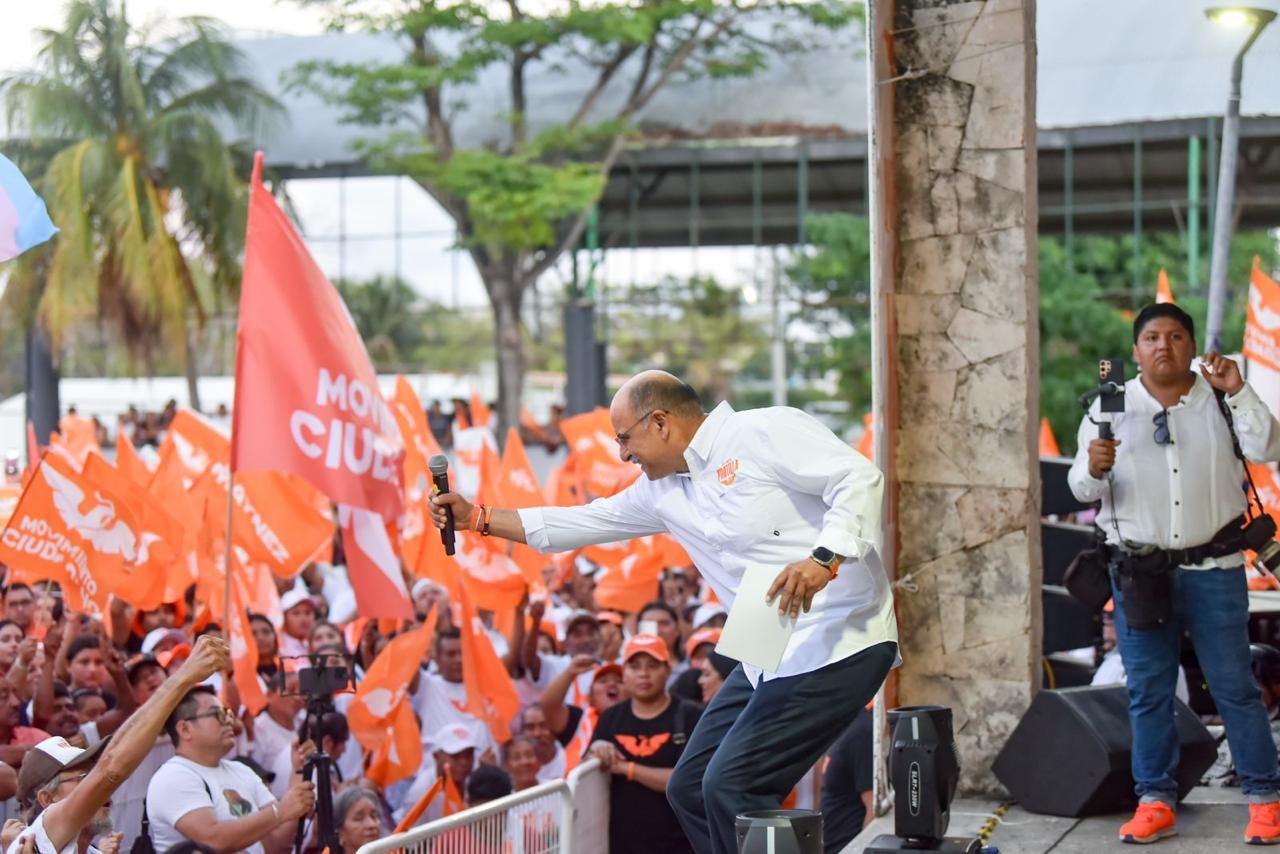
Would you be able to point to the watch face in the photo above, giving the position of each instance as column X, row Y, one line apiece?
column 823, row 555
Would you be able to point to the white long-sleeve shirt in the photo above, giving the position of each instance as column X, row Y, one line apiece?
column 1176, row 495
column 765, row 486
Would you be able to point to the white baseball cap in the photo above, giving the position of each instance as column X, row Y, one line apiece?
column 294, row 598
column 454, row 738
column 155, row 637
column 707, row 611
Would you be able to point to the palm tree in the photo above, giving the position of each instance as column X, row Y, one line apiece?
column 149, row 194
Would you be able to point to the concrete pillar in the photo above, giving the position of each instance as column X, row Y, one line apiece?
column 954, row 213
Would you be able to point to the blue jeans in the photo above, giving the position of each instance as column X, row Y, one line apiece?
column 751, row 746
column 1212, row 605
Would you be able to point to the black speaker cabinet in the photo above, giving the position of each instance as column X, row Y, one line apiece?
column 1069, row 755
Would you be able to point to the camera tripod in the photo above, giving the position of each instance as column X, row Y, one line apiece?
column 320, row 764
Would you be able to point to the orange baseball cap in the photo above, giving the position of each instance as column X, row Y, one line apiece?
column 698, row 638
column 605, row 670
column 609, row 617
column 649, row 645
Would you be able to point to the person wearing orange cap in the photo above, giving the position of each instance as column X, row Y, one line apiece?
column 700, row 645
column 766, row 490
column 638, row 742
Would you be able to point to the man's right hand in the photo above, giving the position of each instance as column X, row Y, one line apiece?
column 463, row 518
column 211, row 655
column 298, row 801
column 1102, row 456
column 580, row 664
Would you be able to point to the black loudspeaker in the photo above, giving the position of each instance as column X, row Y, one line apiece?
column 1069, row 755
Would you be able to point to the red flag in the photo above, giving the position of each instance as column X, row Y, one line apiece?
column 307, row 398
column 1262, row 326
column 373, row 565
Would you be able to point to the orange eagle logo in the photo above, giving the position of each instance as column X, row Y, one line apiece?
column 643, row 745
column 728, row 472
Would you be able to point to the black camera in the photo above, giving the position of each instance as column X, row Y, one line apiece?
column 1259, row 536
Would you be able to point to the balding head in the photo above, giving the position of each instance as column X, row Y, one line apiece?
column 652, row 390
column 655, row 416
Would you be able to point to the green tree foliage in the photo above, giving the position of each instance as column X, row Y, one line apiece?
column 695, row 328
column 127, row 126
column 522, row 198
column 405, row 333
column 1086, row 305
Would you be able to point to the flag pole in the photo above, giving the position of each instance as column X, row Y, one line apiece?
column 226, row 602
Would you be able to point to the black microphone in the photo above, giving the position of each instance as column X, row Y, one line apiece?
column 439, row 465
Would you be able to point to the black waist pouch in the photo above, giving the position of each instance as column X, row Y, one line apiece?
column 1145, row 583
column 1087, row 578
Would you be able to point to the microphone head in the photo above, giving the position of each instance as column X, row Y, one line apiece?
column 439, row 464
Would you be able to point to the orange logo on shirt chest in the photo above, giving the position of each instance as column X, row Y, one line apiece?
column 643, row 745
column 728, row 472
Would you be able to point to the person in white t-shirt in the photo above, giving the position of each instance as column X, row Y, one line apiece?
column 299, row 619
column 455, row 756
column 68, row 790
column 200, row 796
column 441, row 699
column 581, row 638
column 276, row 727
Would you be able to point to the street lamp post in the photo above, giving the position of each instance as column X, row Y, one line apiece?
column 1232, row 16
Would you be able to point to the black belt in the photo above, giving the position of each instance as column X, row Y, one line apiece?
column 1228, row 541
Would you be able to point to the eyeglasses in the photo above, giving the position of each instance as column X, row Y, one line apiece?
column 625, row 435
column 222, row 713
column 1161, row 420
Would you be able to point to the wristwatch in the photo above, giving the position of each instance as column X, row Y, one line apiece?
column 826, row 559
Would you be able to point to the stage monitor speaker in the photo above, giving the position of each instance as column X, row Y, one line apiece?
column 1069, row 755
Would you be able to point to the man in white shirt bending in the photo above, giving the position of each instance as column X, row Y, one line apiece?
column 1169, row 482
column 772, row 487
column 200, row 796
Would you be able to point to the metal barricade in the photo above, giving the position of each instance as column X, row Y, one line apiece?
column 546, row 819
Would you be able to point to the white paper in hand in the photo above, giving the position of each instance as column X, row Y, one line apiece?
column 755, row 632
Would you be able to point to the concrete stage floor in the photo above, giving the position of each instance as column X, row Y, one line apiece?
column 1209, row 821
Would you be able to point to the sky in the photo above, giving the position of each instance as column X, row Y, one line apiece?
column 425, row 258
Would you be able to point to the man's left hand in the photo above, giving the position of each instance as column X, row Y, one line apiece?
column 1221, row 373
column 798, row 583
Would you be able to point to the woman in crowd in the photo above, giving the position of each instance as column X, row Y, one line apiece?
column 264, row 636
column 520, row 759
column 357, row 815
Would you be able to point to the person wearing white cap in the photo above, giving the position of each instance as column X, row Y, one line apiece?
column 454, row 753
column 67, row 801
column 299, row 619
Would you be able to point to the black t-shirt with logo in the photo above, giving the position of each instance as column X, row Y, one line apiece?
column 640, row 819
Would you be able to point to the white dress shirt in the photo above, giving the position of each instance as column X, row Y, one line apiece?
column 765, row 486
column 1177, row 495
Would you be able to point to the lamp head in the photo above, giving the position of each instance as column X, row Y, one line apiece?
column 1235, row 17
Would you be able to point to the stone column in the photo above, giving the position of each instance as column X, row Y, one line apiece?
column 954, row 213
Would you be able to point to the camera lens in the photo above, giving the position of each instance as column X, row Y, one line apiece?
column 1269, row 556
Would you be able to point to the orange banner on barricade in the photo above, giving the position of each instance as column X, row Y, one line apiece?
column 1262, row 324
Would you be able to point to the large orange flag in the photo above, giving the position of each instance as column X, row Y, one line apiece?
column 491, row 696
column 419, row 446
column 129, row 463
column 244, row 649
column 1262, row 326
column 78, row 435
column 1164, row 293
column 196, row 442
column 517, row 488
column 74, row 530
column 307, row 397
column 380, row 715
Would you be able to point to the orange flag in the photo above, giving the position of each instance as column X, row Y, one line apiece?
column 480, row 413
column 528, row 422
column 373, row 565
column 1163, row 292
column 195, row 442
column 74, row 530
column 78, row 435
column 491, row 696
column 160, row 537
column 419, row 446
column 1262, row 325
column 590, row 437
column 517, row 484
column 129, row 463
column 1048, row 444
column 244, row 650
column 632, row 582
column 9, row 494
column 307, row 398
column 866, row 445
column 380, row 715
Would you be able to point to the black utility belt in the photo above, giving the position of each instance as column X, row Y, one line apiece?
column 1228, row 541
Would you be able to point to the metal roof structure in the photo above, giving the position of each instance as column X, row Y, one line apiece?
column 1123, row 86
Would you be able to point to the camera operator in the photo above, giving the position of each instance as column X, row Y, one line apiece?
column 1172, row 510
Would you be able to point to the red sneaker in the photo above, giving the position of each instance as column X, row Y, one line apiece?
column 1151, row 823
column 1264, row 824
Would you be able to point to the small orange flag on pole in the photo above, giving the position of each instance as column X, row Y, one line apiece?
column 1163, row 292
